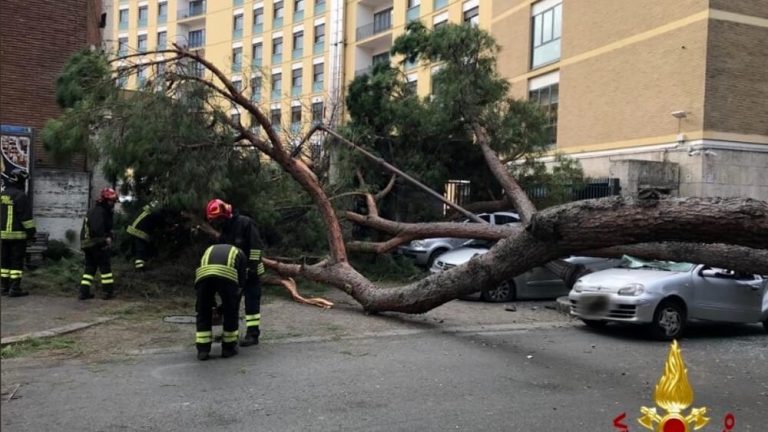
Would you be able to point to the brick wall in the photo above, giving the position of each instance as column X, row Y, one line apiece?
column 36, row 39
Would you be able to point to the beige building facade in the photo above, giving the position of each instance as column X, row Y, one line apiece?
column 667, row 94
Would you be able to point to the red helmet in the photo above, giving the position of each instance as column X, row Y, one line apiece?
column 108, row 194
column 217, row 209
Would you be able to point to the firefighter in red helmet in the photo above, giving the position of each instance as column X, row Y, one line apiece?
column 241, row 231
column 96, row 241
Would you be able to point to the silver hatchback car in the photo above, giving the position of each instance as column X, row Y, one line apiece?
column 666, row 295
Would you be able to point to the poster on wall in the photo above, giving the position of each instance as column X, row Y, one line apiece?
column 16, row 147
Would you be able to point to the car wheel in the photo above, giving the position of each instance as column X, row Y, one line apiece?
column 506, row 291
column 434, row 255
column 668, row 320
column 594, row 323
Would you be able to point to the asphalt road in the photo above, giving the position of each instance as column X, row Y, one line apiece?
column 512, row 378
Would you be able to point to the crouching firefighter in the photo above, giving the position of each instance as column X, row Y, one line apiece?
column 223, row 270
column 96, row 242
column 16, row 228
column 147, row 224
column 241, row 231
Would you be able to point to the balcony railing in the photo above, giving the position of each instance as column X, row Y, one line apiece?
column 196, row 42
column 194, row 9
column 372, row 29
column 298, row 15
column 363, row 71
column 237, row 34
column 295, row 127
column 319, row 8
column 276, row 94
column 123, row 25
column 317, row 86
column 258, row 28
column 142, row 23
column 256, row 62
column 256, row 96
column 237, row 67
column 318, row 48
column 297, row 54
column 277, row 59
column 277, row 23
column 237, row 2
column 296, row 91
column 439, row 4
column 162, row 19
column 413, row 13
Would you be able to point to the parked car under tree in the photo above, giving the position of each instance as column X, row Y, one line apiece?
column 665, row 296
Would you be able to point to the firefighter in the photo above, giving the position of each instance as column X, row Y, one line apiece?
column 96, row 241
column 241, row 231
column 16, row 228
column 147, row 223
column 223, row 270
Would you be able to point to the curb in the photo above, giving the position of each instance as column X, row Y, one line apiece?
column 69, row 328
column 564, row 305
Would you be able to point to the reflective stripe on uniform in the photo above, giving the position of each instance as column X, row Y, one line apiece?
column 86, row 280
column 255, row 254
column 28, row 224
column 253, row 320
column 229, row 336
column 260, row 269
column 137, row 233
column 13, row 235
column 106, row 278
column 204, row 337
column 5, row 272
column 138, row 263
column 206, row 256
column 216, row 270
column 15, row 274
column 231, row 257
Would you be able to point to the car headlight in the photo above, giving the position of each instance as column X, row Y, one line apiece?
column 578, row 287
column 633, row 289
column 418, row 244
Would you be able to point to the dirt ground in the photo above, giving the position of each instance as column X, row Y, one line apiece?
column 139, row 326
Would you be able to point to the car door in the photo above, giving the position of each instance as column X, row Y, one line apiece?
column 540, row 283
column 725, row 295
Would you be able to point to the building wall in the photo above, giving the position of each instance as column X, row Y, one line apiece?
column 61, row 203
column 32, row 56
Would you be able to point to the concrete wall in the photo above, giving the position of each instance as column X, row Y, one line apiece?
column 60, row 202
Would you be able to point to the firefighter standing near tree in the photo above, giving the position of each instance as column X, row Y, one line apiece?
column 223, row 270
column 16, row 228
column 96, row 242
column 141, row 230
column 241, row 231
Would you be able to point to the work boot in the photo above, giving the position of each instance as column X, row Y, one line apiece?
column 108, row 295
column 251, row 338
column 6, row 286
column 17, row 293
column 4, row 292
column 203, row 355
column 85, row 294
column 227, row 352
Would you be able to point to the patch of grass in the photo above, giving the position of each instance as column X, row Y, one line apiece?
column 55, row 277
column 35, row 346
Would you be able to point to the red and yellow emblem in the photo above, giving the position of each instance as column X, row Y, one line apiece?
column 674, row 395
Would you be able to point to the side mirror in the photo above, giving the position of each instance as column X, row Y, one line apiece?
column 709, row 273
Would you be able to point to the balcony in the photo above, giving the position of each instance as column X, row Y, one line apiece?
column 317, row 86
column 276, row 94
column 297, row 54
column 257, row 62
column 123, row 25
column 371, row 29
column 318, row 48
column 237, row 67
column 277, row 23
column 277, row 59
column 439, row 4
column 413, row 13
column 258, row 28
column 142, row 23
column 298, row 16
column 237, row 34
column 363, row 71
column 319, row 8
column 295, row 127
column 195, row 11
column 161, row 19
column 296, row 91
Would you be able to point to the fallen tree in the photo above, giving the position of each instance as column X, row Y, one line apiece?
column 606, row 226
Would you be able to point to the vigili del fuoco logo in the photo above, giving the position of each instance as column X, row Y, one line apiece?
column 674, row 395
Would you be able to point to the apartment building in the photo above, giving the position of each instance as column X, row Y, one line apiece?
column 664, row 94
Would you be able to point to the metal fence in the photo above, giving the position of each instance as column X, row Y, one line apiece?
column 591, row 188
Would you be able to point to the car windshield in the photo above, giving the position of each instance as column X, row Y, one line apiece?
column 636, row 263
column 479, row 244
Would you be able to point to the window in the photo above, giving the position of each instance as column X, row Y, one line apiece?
column 548, row 96
column 123, row 17
column 141, row 75
column 237, row 26
column 237, row 59
column 122, row 46
column 411, row 87
column 298, row 10
column 141, row 45
column 382, row 20
column 472, row 16
column 274, row 118
column 162, row 40
column 256, row 86
column 442, row 23
column 502, row 219
column 277, row 46
column 296, row 76
column 122, row 77
column 160, row 69
column 318, row 73
column 258, row 20
column 413, row 3
column 298, row 45
column 546, row 25
column 317, row 112
column 236, row 118
column 162, row 12
column 196, row 38
column 277, row 84
column 143, row 15
column 257, row 53
column 238, row 85
column 380, row 58
column 196, row 7
column 296, row 115
column 279, row 10
column 319, row 34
